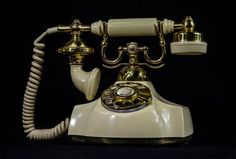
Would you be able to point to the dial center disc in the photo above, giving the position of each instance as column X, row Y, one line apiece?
column 125, row 91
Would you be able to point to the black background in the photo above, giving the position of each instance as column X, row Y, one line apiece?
column 203, row 83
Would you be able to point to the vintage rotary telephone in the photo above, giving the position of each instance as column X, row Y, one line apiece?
column 130, row 111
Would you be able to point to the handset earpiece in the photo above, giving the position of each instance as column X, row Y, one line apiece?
column 188, row 41
column 86, row 82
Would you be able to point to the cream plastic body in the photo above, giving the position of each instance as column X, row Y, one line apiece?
column 160, row 119
column 132, row 27
column 86, row 82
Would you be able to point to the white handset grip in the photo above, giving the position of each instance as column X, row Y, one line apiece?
column 132, row 27
column 127, row 27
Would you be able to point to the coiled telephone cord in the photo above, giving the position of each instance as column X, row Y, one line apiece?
column 31, row 93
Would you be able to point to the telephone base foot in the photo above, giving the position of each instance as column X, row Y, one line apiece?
column 146, row 141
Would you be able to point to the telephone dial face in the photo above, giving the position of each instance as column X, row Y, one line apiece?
column 126, row 97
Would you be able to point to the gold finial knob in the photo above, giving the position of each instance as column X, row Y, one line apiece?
column 188, row 24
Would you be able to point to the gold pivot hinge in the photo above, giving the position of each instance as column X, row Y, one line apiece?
column 75, row 48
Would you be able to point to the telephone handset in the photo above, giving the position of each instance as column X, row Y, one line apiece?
column 129, row 111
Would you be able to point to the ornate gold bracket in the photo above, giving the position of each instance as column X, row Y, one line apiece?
column 151, row 63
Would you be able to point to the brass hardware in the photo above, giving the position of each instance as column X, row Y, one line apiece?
column 132, row 73
column 64, row 28
column 163, row 49
column 126, row 97
column 104, row 44
column 188, row 24
column 75, row 26
column 178, row 26
column 187, row 31
column 75, row 48
column 187, row 36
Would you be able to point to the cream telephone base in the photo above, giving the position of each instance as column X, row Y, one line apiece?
column 161, row 122
column 130, row 111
